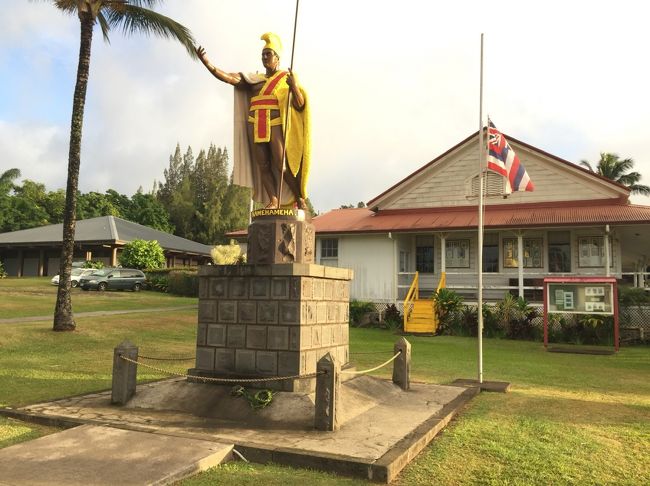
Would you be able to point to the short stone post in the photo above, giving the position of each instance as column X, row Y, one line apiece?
column 124, row 373
column 402, row 364
column 328, row 385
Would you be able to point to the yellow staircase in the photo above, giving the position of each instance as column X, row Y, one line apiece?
column 420, row 314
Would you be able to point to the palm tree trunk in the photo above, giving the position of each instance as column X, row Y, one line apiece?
column 63, row 316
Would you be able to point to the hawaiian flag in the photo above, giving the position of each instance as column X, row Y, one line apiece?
column 503, row 160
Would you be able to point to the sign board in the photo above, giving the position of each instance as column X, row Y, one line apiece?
column 581, row 295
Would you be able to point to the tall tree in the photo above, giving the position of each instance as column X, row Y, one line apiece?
column 617, row 169
column 132, row 16
column 7, row 179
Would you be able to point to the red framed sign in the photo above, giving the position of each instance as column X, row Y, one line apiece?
column 581, row 295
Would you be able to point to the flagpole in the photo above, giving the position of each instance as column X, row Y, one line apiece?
column 480, row 226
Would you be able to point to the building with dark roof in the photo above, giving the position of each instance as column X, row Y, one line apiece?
column 37, row 251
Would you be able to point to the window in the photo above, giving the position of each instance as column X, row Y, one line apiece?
column 457, row 253
column 559, row 251
column 329, row 248
column 490, row 252
column 404, row 257
column 424, row 254
column 592, row 252
column 532, row 253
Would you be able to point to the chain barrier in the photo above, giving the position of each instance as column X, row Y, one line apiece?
column 366, row 352
column 372, row 369
column 221, row 380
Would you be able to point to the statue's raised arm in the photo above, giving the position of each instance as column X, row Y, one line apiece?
column 262, row 114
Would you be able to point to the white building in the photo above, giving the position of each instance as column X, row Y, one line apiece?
column 428, row 223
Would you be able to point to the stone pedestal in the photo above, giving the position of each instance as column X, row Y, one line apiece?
column 270, row 320
column 280, row 236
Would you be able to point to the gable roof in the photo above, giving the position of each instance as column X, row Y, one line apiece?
column 553, row 214
column 415, row 181
column 104, row 229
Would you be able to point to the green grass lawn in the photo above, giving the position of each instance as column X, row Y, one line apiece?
column 36, row 296
column 570, row 419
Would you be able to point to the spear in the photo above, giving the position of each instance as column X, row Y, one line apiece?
column 288, row 110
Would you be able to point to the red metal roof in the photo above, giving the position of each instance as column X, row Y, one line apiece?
column 564, row 213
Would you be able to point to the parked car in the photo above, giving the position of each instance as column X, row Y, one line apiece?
column 113, row 279
column 77, row 273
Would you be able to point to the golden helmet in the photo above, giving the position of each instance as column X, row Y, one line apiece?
column 272, row 41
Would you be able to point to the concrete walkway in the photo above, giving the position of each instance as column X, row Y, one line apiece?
column 15, row 320
column 104, row 456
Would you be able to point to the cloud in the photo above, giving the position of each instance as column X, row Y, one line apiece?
column 392, row 86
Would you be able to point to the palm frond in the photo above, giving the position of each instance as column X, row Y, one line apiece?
column 67, row 6
column 586, row 165
column 134, row 19
column 104, row 26
column 640, row 189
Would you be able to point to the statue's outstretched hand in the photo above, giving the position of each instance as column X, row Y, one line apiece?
column 200, row 51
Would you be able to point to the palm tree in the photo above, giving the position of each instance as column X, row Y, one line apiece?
column 130, row 16
column 612, row 167
column 7, row 179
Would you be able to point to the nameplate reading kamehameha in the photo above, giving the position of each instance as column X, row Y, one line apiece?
column 298, row 214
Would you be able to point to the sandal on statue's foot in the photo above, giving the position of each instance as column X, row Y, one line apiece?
column 273, row 204
column 302, row 204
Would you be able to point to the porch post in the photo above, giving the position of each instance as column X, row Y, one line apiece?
column 41, row 262
column 114, row 256
column 606, row 245
column 21, row 262
column 520, row 263
column 443, row 253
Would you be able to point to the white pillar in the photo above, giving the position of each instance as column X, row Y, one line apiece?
column 606, row 238
column 520, row 263
column 443, row 254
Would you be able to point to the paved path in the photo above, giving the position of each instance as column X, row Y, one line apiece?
column 104, row 456
column 98, row 313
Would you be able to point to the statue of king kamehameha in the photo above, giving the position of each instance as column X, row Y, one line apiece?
column 262, row 114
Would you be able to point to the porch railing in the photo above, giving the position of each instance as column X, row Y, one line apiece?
column 411, row 296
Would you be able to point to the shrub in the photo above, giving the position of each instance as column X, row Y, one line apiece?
column 393, row 318
column 158, row 279
column 142, row 254
column 448, row 306
column 93, row 264
column 358, row 309
column 3, row 274
column 183, row 283
column 227, row 254
column 516, row 316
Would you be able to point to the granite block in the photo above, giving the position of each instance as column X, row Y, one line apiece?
column 256, row 337
column 260, row 288
column 204, row 358
column 267, row 312
column 267, row 363
column 227, row 311
column 280, row 288
column 238, row 288
column 217, row 335
column 277, row 338
column 289, row 312
column 307, row 288
column 288, row 363
column 246, row 312
column 236, row 337
column 224, row 360
column 316, row 333
column 321, row 312
column 207, row 311
column 218, row 288
column 245, row 361
column 317, row 288
column 201, row 331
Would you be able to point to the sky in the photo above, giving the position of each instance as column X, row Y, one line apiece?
column 392, row 85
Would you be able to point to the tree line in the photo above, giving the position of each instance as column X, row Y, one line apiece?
column 195, row 200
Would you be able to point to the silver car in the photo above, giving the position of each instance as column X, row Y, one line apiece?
column 77, row 273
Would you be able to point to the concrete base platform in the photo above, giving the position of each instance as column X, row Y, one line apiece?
column 382, row 427
column 99, row 455
column 490, row 386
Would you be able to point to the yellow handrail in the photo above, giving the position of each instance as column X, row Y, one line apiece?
column 411, row 296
